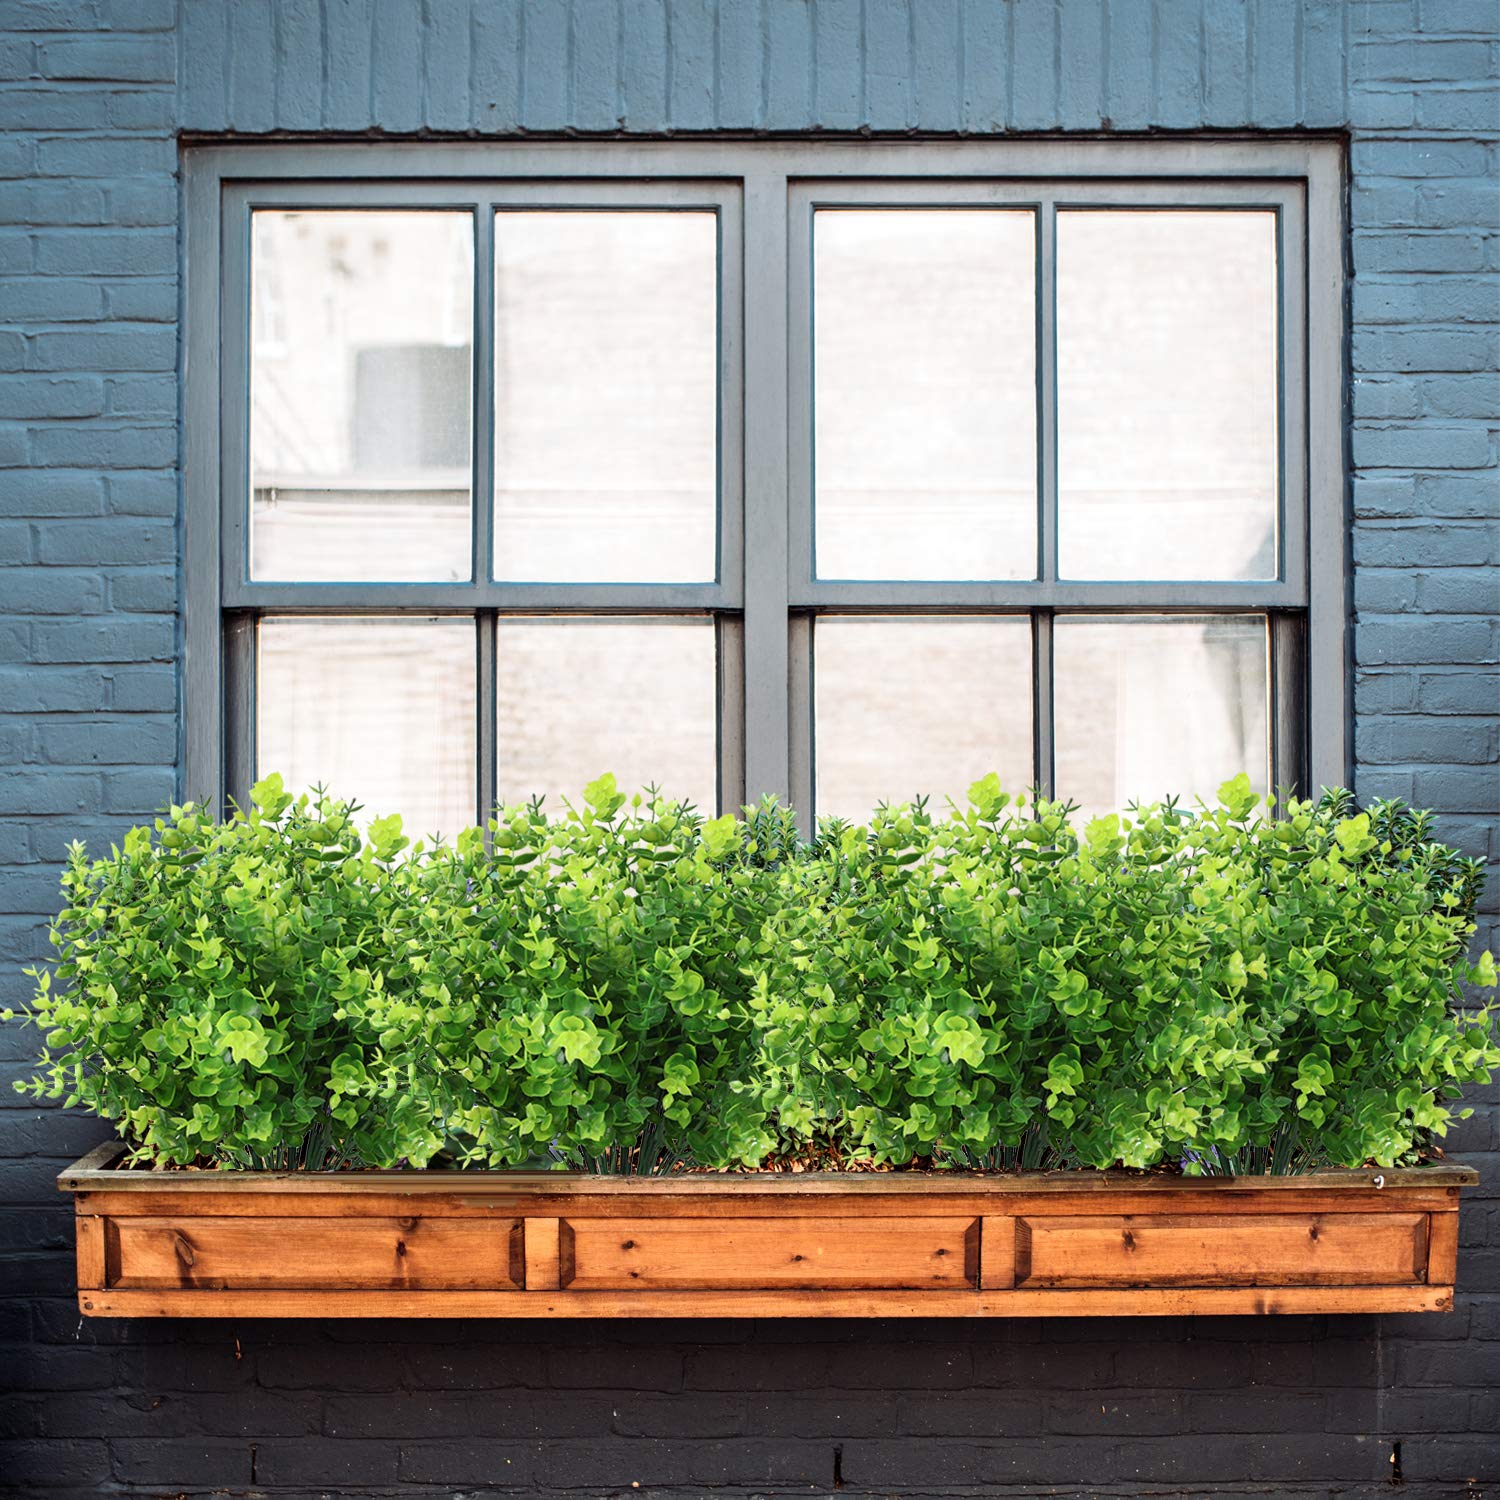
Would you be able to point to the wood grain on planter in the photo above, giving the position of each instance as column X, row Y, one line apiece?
column 497, row 1244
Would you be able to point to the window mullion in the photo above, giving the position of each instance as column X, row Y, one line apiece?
column 1041, row 702
column 1044, row 768
column 1288, row 717
column 488, row 732
column 239, row 708
column 483, row 502
column 766, row 649
column 1046, row 389
column 801, row 683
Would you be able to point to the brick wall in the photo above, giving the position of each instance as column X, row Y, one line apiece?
column 92, row 96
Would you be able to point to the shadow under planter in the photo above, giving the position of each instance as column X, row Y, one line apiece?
column 890, row 1244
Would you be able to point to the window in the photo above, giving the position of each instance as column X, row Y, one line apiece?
column 839, row 471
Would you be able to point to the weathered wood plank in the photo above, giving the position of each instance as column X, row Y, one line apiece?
column 102, row 1158
column 1151, row 1302
column 750, row 1202
column 89, row 1242
column 543, row 1254
column 801, row 1251
column 82, row 1176
column 1442, row 1249
column 405, row 1254
column 1223, row 1250
column 997, row 1252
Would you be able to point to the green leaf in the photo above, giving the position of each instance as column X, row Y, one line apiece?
column 1238, row 797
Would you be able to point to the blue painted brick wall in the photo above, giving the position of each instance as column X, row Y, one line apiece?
column 93, row 94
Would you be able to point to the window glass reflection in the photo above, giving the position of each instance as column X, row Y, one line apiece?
column 606, row 396
column 918, row 705
column 1146, row 707
column 1166, row 394
column 925, row 334
column 378, row 711
column 360, row 396
column 579, row 696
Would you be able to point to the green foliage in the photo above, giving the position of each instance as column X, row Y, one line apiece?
column 633, row 987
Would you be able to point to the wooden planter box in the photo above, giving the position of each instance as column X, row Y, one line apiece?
column 558, row 1245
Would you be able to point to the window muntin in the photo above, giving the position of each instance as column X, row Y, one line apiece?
column 765, row 616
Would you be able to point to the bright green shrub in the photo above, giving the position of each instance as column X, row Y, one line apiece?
column 632, row 987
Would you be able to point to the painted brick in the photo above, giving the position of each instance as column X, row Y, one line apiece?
column 101, row 156
column 1431, row 60
column 51, row 299
column 1419, row 349
column 138, row 252
column 645, row 61
column 110, row 59
column 53, row 591
column 1426, row 447
column 1419, row 158
column 739, row 52
column 112, row 347
column 1455, row 544
column 61, row 396
column 1439, row 299
column 1460, row 396
column 984, row 28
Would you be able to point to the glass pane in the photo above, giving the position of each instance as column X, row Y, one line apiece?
column 925, row 334
column 379, row 711
column 578, row 697
column 360, row 407
column 1147, row 707
column 1166, row 394
column 606, row 397
column 919, row 705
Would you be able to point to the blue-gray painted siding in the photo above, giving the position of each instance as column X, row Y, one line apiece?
column 93, row 94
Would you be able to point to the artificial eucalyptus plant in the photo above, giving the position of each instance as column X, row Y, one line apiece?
column 635, row 987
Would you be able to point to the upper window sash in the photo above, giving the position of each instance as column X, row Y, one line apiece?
column 482, row 202
column 1286, row 200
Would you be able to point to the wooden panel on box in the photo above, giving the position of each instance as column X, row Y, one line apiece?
column 794, row 1251
column 792, row 1302
column 1442, row 1249
column 1222, row 1250
column 411, row 1254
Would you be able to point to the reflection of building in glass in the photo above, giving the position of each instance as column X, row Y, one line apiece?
column 380, row 711
column 606, row 396
column 360, row 448
column 633, row 696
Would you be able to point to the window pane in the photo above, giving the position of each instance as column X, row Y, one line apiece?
column 919, row 705
column 606, row 396
column 1147, row 707
column 379, row 711
column 578, row 697
column 360, row 408
column 1166, row 394
column 925, row 333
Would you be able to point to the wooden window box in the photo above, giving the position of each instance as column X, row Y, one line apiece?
column 558, row 1245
